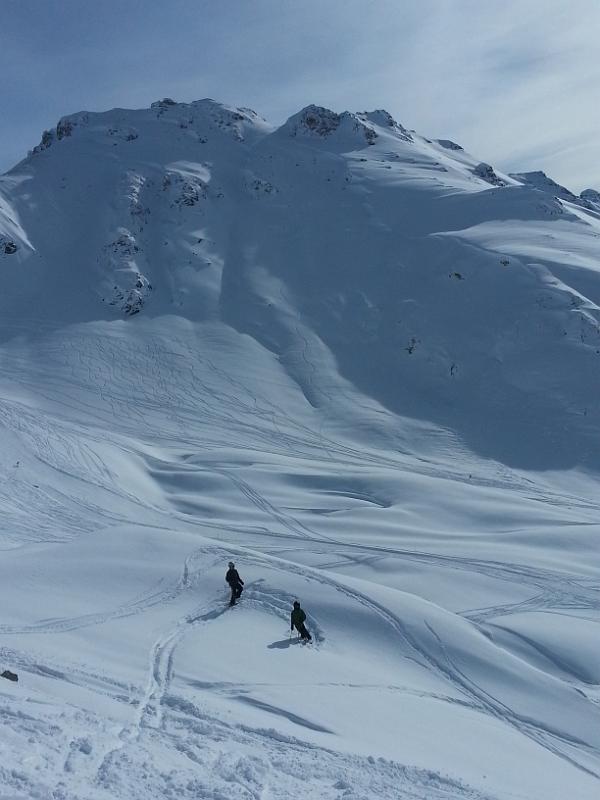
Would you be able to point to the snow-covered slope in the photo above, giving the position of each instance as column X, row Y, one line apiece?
column 362, row 364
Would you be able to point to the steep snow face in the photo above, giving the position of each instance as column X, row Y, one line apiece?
column 369, row 234
column 102, row 189
column 361, row 363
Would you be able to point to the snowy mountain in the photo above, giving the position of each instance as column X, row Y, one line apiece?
column 363, row 364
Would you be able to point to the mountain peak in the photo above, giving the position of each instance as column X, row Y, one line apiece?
column 198, row 118
column 538, row 179
column 384, row 119
column 313, row 120
column 358, row 128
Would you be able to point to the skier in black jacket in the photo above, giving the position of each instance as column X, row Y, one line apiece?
column 235, row 583
column 297, row 621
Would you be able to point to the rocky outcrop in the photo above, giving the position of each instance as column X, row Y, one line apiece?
column 129, row 288
column 448, row 144
column 487, row 173
column 184, row 191
column 7, row 246
column 592, row 198
column 131, row 300
column 64, row 129
column 314, row 120
column 384, row 119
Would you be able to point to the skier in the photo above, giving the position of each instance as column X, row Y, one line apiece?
column 297, row 621
column 235, row 583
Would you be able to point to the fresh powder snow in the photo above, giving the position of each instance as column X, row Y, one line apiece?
column 361, row 364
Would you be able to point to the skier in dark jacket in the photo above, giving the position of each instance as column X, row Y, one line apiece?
column 235, row 583
column 297, row 621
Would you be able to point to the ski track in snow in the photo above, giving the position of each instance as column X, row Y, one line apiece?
column 150, row 712
column 552, row 590
column 157, row 700
column 149, row 717
column 477, row 696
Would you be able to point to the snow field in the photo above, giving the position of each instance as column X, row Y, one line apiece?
column 363, row 365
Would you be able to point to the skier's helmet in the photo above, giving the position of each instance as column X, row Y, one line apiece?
column 296, row 604
column 231, row 564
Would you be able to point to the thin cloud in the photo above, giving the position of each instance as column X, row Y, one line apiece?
column 514, row 82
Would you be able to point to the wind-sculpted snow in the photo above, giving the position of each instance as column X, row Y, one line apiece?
column 363, row 365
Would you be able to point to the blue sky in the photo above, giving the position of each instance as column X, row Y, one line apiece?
column 514, row 81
